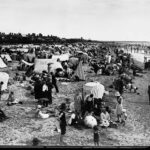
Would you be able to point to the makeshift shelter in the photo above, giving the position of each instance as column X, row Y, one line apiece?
column 4, row 77
column 41, row 64
column 2, row 64
column 84, row 57
column 79, row 72
column 73, row 61
column 7, row 57
column 30, row 57
column 95, row 88
column 63, row 57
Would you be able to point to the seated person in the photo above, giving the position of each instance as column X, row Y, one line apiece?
column 11, row 100
column 40, row 114
column 17, row 78
column 105, row 118
column 2, row 115
column 131, row 87
column 88, row 105
column 123, row 117
column 74, row 119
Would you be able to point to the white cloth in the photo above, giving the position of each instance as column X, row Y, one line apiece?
column 98, row 90
column 43, row 115
column 90, row 121
column 105, row 119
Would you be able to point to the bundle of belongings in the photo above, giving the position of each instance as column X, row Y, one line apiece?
column 40, row 114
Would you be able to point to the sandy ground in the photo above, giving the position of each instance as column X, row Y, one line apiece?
column 22, row 126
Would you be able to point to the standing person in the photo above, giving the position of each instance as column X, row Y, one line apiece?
column 38, row 88
column 77, row 102
column 96, row 136
column 54, row 82
column 1, row 84
column 149, row 93
column 50, row 86
column 120, row 86
column 62, row 118
column 119, row 108
column 49, row 67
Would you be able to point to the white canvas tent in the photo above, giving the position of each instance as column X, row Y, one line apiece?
column 95, row 88
column 62, row 57
column 2, row 64
column 4, row 77
column 7, row 57
column 41, row 64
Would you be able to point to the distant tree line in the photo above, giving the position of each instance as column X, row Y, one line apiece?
column 18, row 38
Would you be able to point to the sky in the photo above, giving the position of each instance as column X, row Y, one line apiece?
column 104, row 20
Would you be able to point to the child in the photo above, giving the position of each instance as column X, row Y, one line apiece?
column 62, row 118
column 119, row 108
column 123, row 117
column 96, row 136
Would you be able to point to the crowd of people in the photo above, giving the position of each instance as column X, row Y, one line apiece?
column 85, row 110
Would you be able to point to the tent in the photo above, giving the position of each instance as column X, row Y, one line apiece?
column 73, row 61
column 41, row 64
column 95, row 88
column 2, row 64
column 7, row 57
column 4, row 77
column 79, row 72
column 62, row 57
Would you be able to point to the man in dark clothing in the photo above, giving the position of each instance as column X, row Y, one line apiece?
column 50, row 86
column 96, row 67
column 88, row 106
column 54, row 82
column 149, row 93
column 120, row 86
column 1, row 84
column 97, row 106
column 38, row 89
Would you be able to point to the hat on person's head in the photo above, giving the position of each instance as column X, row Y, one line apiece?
column 117, row 94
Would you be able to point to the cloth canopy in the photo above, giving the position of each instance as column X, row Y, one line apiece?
column 2, row 64
column 80, row 72
column 4, row 77
column 6, row 56
column 95, row 88
column 41, row 64
column 63, row 57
